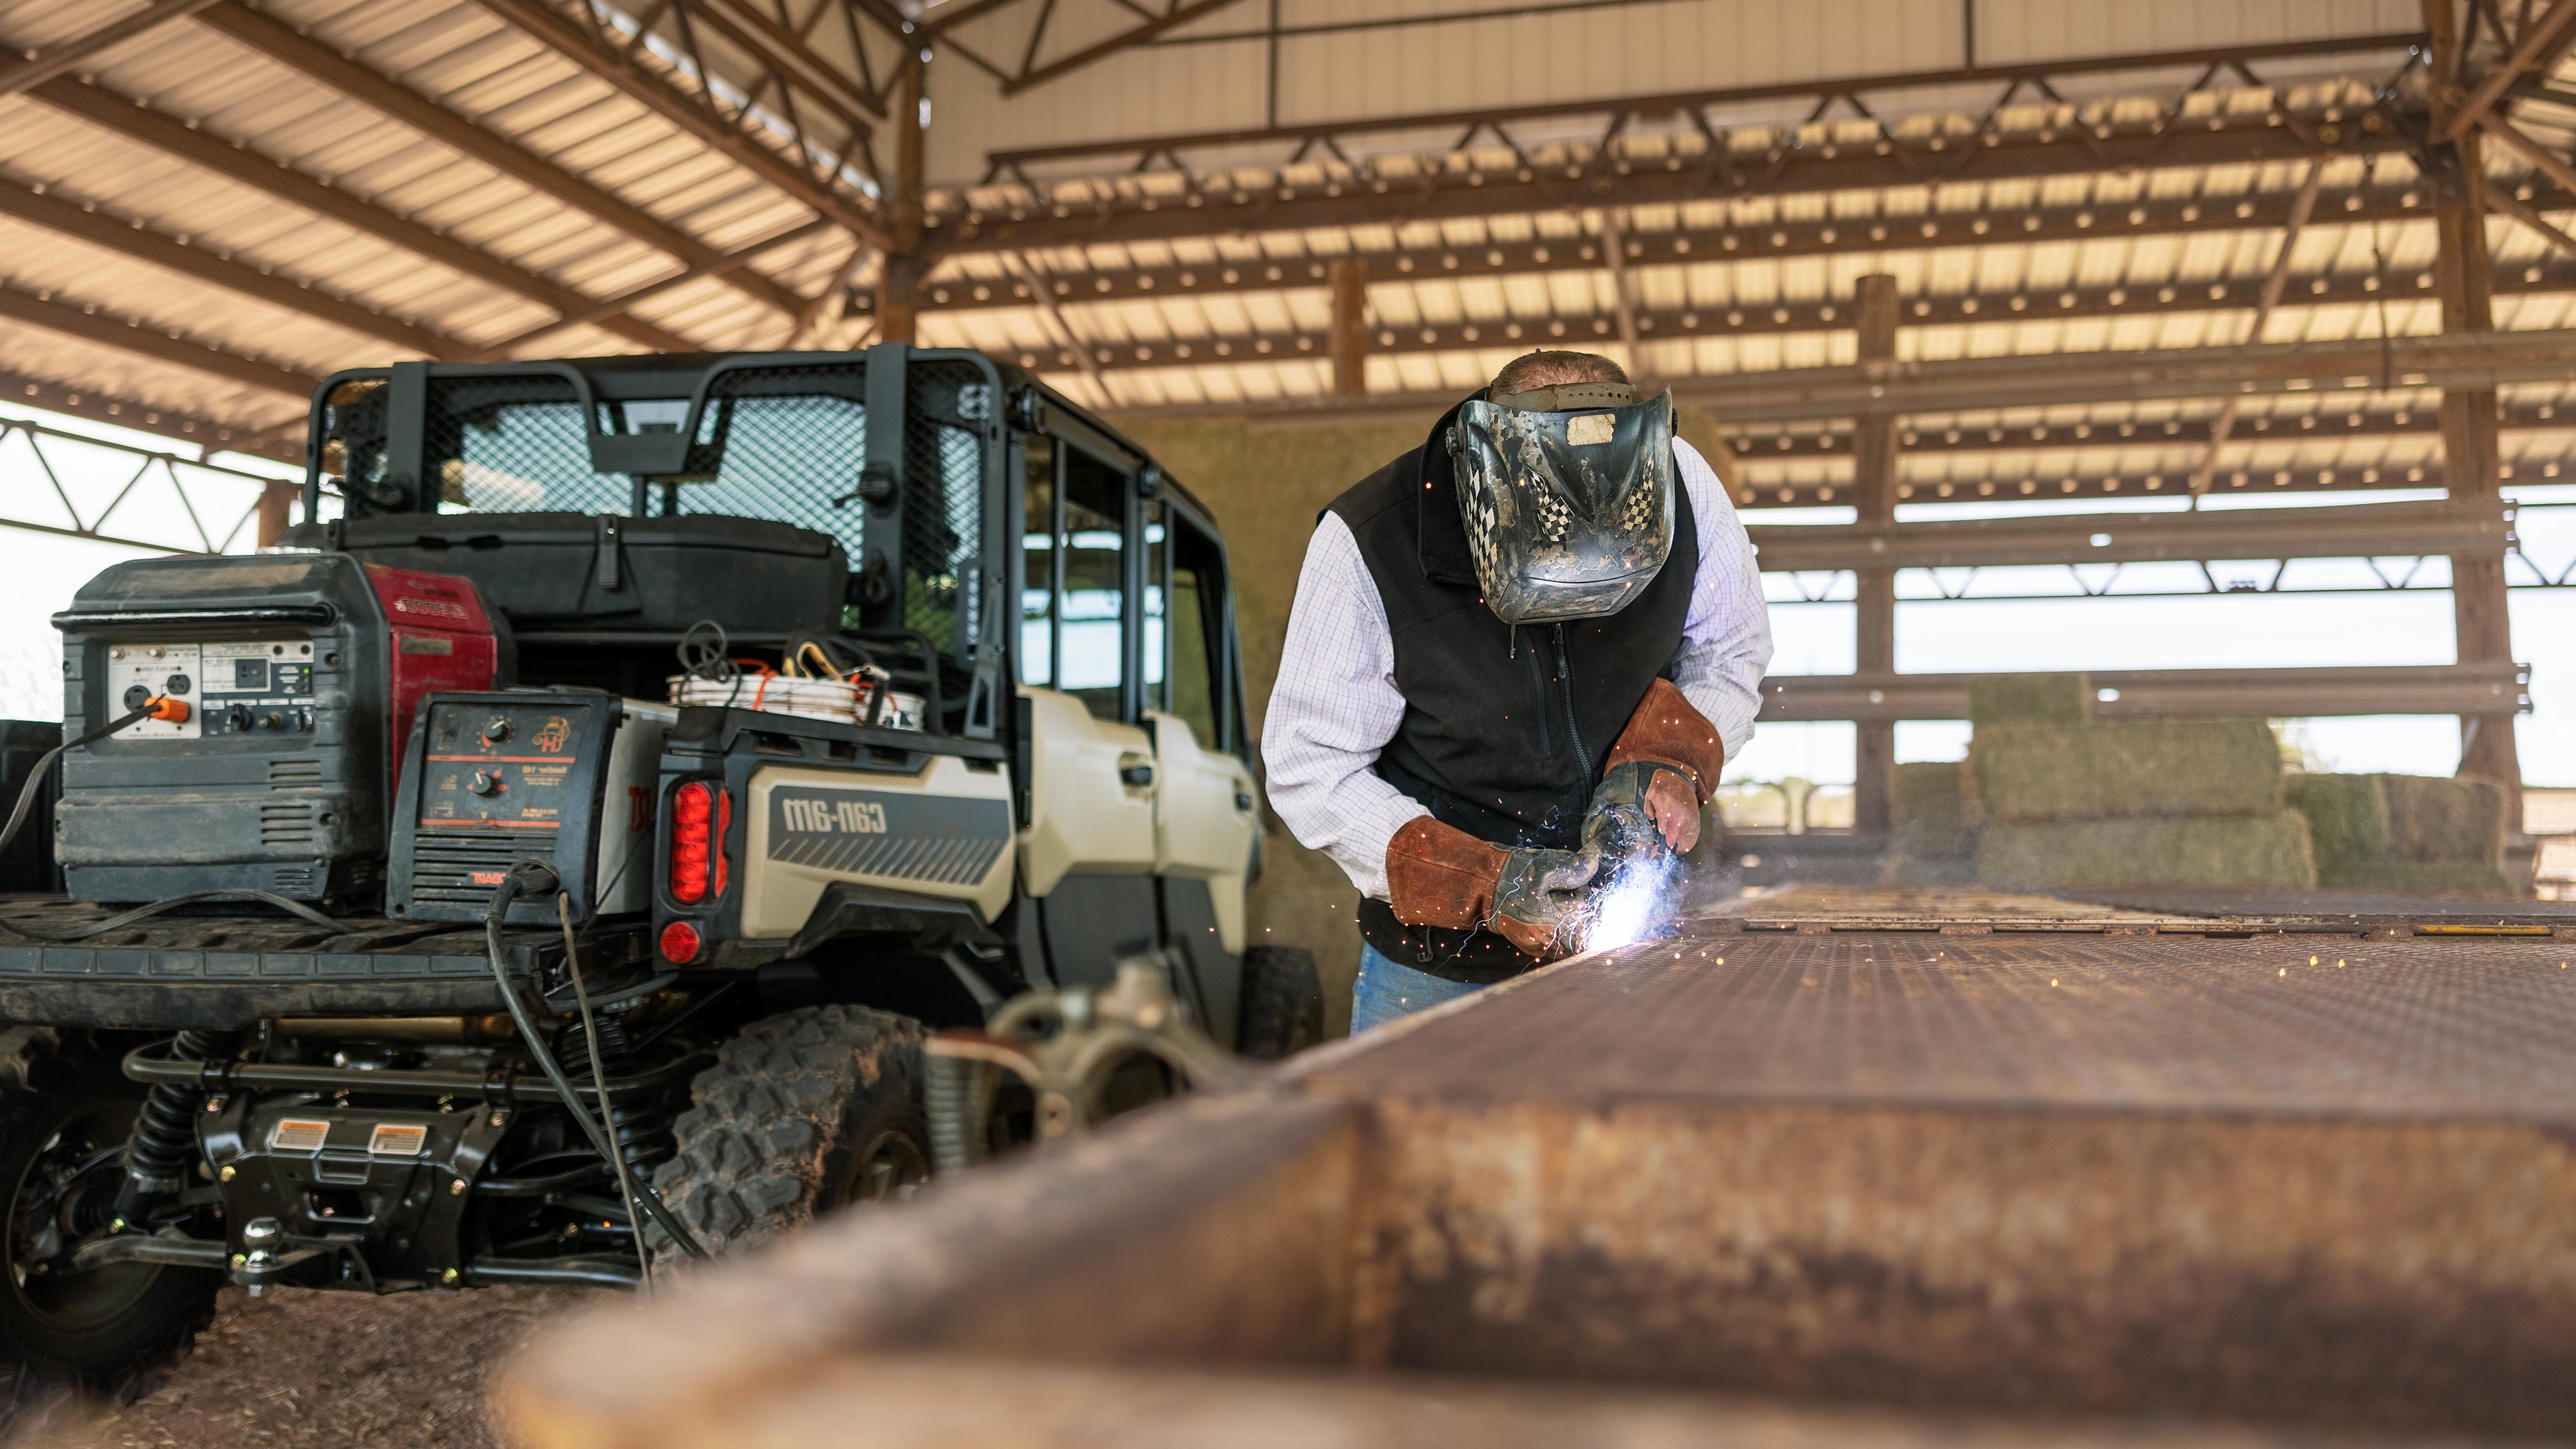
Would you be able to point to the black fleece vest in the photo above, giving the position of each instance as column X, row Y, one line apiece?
column 1504, row 729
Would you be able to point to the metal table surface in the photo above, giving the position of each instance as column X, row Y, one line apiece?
column 2349, row 1026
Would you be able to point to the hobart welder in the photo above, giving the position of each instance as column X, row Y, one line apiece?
column 551, row 859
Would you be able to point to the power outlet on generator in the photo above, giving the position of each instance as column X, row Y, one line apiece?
column 248, row 687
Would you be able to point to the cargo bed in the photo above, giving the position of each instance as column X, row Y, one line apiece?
column 1840, row 1168
column 176, row 971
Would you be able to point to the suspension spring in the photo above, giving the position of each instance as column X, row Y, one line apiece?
column 165, row 1132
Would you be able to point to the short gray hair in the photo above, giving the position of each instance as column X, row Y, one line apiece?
column 1533, row 370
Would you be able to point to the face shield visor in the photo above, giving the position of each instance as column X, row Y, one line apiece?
column 1567, row 497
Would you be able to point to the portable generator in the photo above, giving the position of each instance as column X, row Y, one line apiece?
column 302, row 673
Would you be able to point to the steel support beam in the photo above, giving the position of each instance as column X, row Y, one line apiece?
column 899, row 275
column 2539, row 38
column 2500, row 688
column 237, row 21
column 1175, row 13
column 178, row 424
column 582, row 44
column 1114, row 204
column 958, row 287
column 2470, row 455
column 1435, row 197
column 1350, row 345
column 2370, row 530
column 2484, row 361
column 1874, row 464
column 140, row 123
column 143, row 244
column 134, row 336
column 63, row 55
column 2555, row 276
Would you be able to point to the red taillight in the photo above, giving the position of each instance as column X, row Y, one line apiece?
column 679, row 943
column 700, row 815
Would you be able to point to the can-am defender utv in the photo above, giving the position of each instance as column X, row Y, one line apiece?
column 654, row 748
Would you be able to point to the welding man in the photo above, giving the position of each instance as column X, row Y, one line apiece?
column 1518, row 659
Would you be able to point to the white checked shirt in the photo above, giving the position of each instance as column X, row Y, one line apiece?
column 1336, row 705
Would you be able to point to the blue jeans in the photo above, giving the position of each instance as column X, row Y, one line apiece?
column 1385, row 991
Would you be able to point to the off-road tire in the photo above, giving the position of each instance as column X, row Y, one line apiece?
column 803, row 1112
column 115, row 1331
column 1283, row 1002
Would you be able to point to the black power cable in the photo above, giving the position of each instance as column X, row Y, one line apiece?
column 599, row 1079
column 531, row 874
column 36, row 777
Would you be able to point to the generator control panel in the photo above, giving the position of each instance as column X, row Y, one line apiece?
column 246, row 687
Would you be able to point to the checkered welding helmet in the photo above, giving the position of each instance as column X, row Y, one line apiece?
column 1567, row 494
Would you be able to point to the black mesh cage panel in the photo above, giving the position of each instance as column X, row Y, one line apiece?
column 784, row 443
column 514, row 443
column 951, row 404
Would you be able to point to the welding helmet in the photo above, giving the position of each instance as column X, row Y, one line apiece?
column 1567, row 497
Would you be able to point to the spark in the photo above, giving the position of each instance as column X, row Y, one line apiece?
column 1634, row 902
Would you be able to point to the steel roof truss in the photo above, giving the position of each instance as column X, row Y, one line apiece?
column 139, row 122
column 369, row 87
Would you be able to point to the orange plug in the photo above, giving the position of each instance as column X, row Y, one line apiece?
column 173, row 710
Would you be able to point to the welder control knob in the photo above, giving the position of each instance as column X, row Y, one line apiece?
column 485, row 782
column 272, row 721
column 237, row 719
column 263, row 1235
column 498, row 730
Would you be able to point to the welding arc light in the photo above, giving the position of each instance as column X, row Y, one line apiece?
column 700, row 815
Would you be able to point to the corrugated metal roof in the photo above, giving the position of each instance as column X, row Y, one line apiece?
column 1235, row 314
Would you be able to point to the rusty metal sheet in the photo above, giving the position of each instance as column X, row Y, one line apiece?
column 2357, row 906
column 2352, row 1027
column 2295, row 1181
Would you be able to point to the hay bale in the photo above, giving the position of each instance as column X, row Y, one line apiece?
column 2347, row 817
column 1931, row 815
column 2029, row 699
column 2036, row 774
column 2264, row 850
column 2420, row 878
column 2433, row 819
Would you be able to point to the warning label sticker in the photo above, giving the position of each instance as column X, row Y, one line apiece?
column 293, row 1135
column 394, row 1139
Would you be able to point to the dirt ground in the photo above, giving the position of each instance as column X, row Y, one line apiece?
column 403, row 1370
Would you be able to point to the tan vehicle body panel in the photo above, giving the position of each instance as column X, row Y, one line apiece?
column 778, row 895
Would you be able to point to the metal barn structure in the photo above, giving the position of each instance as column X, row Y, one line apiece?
column 1898, row 251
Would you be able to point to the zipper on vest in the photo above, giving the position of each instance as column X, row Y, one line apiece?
column 1565, row 682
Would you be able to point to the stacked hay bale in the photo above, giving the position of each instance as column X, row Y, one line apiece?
column 1936, row 843
column 2064, row 799
column 2408, row 834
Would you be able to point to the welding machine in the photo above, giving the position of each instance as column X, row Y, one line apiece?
column 563, row 776
column 302, row 673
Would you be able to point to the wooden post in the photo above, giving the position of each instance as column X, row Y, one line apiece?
column 898, row 314
column 1350, row 327
column 2464, row 274
column 1874, row 492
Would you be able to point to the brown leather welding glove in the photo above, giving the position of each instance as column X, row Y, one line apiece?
column 1439, row 875
column 1677, row 751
